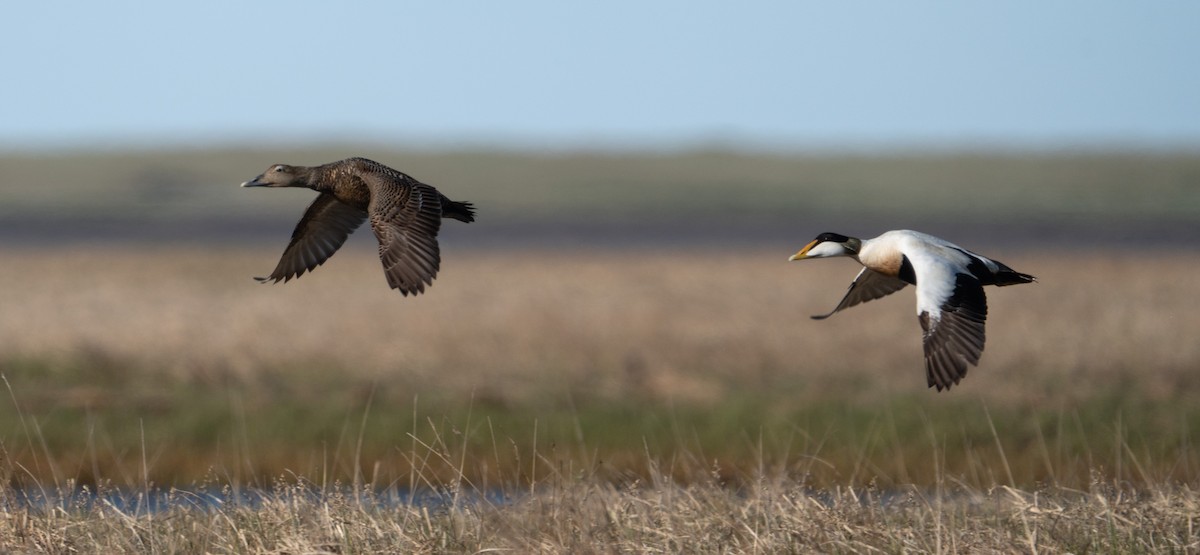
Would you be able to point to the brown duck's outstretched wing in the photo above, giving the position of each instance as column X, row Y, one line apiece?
column 867, row 286
column 406, row 216
column 321, row 232
column 953, row 322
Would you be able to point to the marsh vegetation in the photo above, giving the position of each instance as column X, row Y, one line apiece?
column 666, row 393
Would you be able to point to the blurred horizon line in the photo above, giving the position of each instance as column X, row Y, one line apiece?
column 611, row 144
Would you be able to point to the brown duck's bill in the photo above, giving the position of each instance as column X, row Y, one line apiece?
column 253, row 182
column 803, row 252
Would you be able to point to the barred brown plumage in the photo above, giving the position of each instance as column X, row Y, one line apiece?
column 405, row 215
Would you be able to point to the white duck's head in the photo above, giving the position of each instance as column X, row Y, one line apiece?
column 828, row 245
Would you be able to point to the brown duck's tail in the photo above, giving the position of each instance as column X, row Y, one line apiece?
column 461, row 211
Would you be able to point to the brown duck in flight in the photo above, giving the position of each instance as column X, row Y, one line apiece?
column 405, row 215
column 951, row 306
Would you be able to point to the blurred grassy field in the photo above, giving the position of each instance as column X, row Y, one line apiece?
column 594, row 360
column 149, row 353
column 713, row 195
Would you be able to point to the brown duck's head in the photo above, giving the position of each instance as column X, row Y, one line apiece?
column 279, row 175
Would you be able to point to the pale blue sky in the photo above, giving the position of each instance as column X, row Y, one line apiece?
column 559, row 73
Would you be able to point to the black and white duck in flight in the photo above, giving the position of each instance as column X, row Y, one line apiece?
column 951, row 305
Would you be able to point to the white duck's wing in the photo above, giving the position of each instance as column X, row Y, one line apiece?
column 952, row 309
column 867, row 286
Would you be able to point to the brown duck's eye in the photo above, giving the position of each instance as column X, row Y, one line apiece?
column 277, row 169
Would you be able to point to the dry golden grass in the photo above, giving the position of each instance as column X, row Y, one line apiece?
column 584, row 517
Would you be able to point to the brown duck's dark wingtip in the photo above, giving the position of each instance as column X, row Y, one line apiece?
column 945, row 386
column 408, row 290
